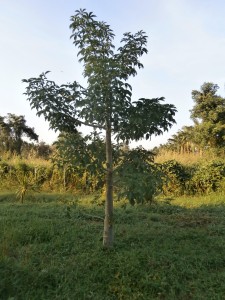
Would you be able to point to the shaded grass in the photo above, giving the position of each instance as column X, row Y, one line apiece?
column 164, row 251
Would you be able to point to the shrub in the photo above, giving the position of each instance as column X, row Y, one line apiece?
column 208, row 177
column 175, row 178
column 138, row 178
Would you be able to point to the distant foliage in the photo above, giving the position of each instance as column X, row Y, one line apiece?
column 12, row 130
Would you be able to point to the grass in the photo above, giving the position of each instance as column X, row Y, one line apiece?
column 53, row 250
column 16, row 159
column 185, row 158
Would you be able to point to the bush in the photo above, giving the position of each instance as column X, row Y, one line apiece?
column 138, row 178
column 208, row 177
column 175, row 178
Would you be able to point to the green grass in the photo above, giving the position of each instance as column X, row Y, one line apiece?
column 51, row 248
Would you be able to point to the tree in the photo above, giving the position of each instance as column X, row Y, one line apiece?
column 4, row 135
column 12, row 130
column 105, row 104
column 208, row 115
column 182, row 141
column 43, row 150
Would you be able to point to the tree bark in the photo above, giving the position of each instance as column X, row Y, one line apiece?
column 108, row 221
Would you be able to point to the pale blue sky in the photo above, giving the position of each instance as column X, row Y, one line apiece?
column 186, row 48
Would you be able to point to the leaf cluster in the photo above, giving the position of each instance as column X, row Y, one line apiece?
column 81, row 154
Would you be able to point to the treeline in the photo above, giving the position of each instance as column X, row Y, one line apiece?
column 13, row 129
column 208, row 131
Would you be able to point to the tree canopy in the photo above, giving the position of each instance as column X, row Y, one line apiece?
column 208, row 115
column 208, row 130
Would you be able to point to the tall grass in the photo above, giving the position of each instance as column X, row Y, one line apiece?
column 16, row 159
column 185, row 158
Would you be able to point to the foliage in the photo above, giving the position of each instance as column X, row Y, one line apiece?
column 26, row 183
column 83, row 155
column 182, row 141
column 12, row 129
column 26, row 180
column 208, row 131
column 201, row 178
column 175, row 178
column 208, row 177
column 138, row 179
column 4, row 168
column 208, row 114
column 135, row 176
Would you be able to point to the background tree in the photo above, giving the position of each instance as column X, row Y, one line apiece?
column 43, row 150
column 4, row 135
column 208, row 115
column 12, row 130
column 105, row 104
column 182, row 141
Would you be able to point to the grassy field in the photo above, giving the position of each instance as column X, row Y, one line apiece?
column 51, row 248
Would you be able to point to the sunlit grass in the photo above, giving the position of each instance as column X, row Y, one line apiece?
column 213, row 199
column 184, row 158
column 16, row 159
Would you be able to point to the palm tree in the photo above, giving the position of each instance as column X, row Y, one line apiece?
column 12, row 130
column 183, row 140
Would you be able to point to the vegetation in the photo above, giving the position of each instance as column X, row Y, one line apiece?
column 208, row 115
column 208, row 132
column 12, row 129
column 169, row 202
column 137, row 177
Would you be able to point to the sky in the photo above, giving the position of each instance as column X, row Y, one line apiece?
column 186, row 47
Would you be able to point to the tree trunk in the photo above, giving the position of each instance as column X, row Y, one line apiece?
column 108, row 221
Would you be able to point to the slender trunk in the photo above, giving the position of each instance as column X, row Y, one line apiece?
column 108, row 222
column 64, row 177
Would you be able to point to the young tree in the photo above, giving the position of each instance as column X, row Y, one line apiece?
column 105, row 103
